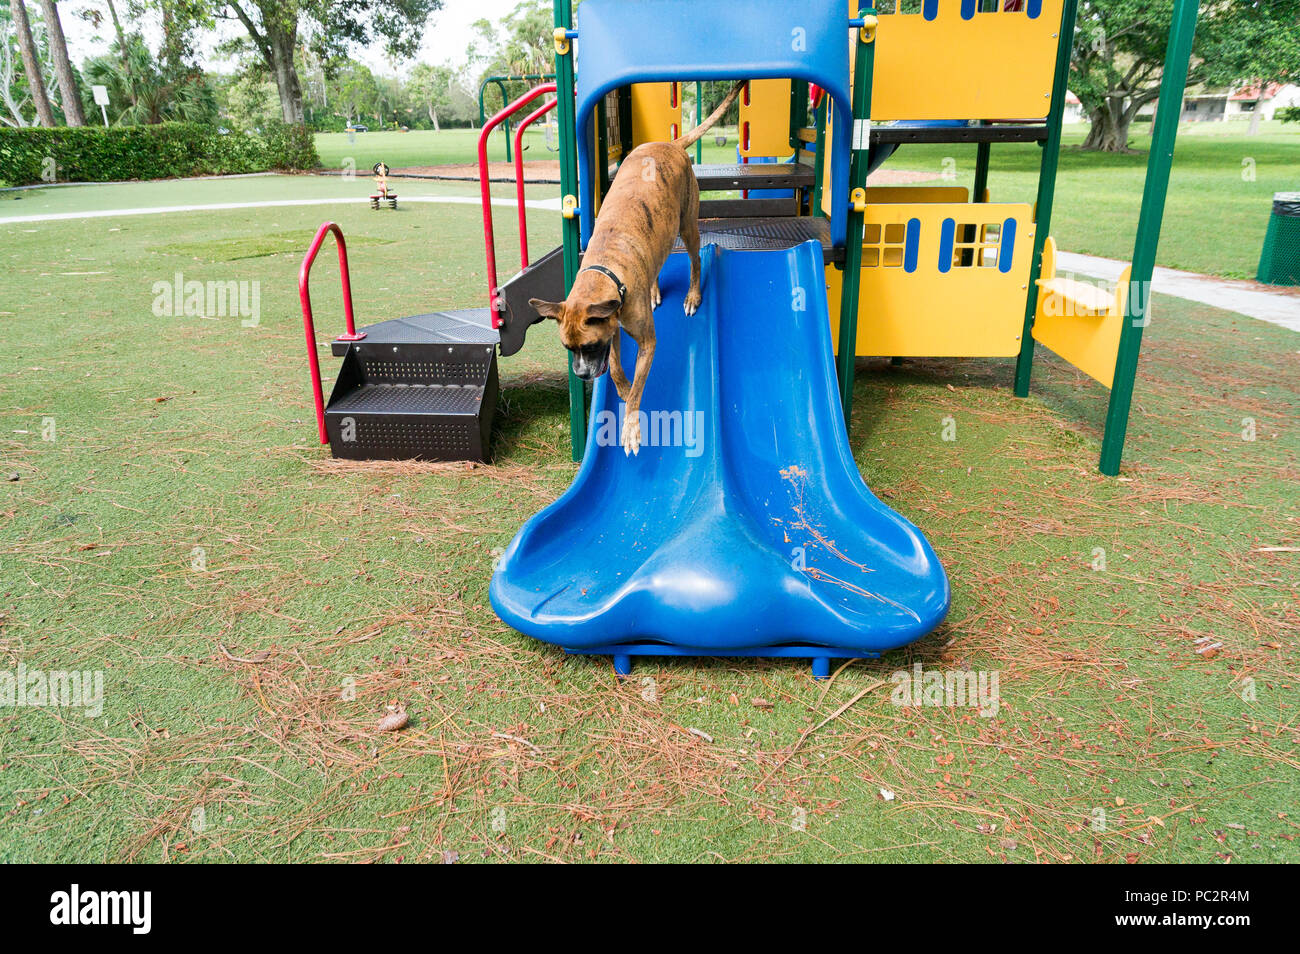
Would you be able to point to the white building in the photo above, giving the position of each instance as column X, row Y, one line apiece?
column 1242, row 103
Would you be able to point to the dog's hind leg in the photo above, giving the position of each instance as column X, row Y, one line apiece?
column 655, row 297
column 691, row 239
column 689, row 229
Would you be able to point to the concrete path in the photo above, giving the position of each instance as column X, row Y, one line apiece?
column 551, row 204
column 1245, row 298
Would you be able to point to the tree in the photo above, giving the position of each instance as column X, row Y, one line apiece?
column 521, row 43
column 273, row 28
column 1262, row 48
column 31, row 64
column 354, row 92
column 95, row 18
column 68, row 91
column 430, row 88
column 140, row 92
column 248, row 100
column 1119, row 49
column 180, row 20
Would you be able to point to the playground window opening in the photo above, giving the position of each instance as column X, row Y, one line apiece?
column 890, row 245
column 930, row 8
column 977, row 245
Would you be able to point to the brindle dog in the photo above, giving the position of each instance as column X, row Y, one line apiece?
column 653, row 198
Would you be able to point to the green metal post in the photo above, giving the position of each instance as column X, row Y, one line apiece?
column 569, row 231
column 624, row 122
column 699, row 113
column 1159, row 162
column 798, row 111
column 819, row 157
column 864, row 66
column 981, row 172
column 1046, row 192
column 602, row 149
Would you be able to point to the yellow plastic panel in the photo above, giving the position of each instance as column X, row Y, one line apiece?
column 1067, row 321
column 886, row 194
column 655, row 118
column 971, row 310
column 765, row 116
column 996, row 65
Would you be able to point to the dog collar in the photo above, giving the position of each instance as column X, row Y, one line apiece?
column 622, row 289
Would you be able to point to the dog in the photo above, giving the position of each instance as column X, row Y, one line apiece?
column 653, row 198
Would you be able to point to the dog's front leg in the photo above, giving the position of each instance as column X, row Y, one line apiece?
column 616, row 373
column 639, row 323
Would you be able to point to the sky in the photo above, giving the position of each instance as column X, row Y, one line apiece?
column 445, row 39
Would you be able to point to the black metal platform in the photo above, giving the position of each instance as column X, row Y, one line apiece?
column 768, row 233
column 998, row 132
column 416, row 388
column 754, row 175
column 463, row 326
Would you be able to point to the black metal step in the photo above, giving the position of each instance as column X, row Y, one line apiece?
column 459, row 326
column 748, row 208
column 999, row 132
column 766, row 233
column 754, row 175
column 416, row 388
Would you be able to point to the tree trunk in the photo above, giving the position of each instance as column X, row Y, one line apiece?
column 281, row 43
column 62, row 65
column 125, row 56
column 1255, row 117
column 1110, row 123
column 433, row 116
column 7, row 92
column 31, row 66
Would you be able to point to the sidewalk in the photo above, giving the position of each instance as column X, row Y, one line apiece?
column 1245, row 298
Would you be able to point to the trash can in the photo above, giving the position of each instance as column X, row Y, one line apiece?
column 1279, row 263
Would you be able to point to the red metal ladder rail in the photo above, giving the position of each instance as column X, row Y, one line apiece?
column 485, row 189
column 309, row 324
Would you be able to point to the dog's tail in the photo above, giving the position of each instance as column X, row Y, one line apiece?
column 694, row 135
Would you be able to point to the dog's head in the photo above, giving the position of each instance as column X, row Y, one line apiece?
column 587, row 329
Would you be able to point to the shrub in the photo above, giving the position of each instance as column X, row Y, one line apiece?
column 290, row 146
column 1289, row 114
column 95, row 154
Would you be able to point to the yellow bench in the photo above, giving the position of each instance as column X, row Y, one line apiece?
column 1079, row 321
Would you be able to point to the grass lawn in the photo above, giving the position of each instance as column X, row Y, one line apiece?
column 1220, row 195
column 255, row 605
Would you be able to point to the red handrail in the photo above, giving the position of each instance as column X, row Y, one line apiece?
column 309, row 324
column 519, row 180
column 486, row 191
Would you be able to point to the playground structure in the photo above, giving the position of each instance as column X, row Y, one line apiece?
column 499, row 81
column 766, row 542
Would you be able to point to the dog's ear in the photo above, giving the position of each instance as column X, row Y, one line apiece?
column 547, row 309
column 603, row 309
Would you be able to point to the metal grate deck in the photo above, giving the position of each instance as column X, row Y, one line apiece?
column 768, row 233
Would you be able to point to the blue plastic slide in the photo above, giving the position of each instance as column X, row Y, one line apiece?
column 742, row 528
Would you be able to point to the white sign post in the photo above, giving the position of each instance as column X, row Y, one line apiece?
column 101, row 100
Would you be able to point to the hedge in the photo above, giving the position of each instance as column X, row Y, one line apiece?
column 96, row 154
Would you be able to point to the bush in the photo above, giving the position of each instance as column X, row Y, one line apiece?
column 166, row 150
column 290, row 146
column 1289, row 114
